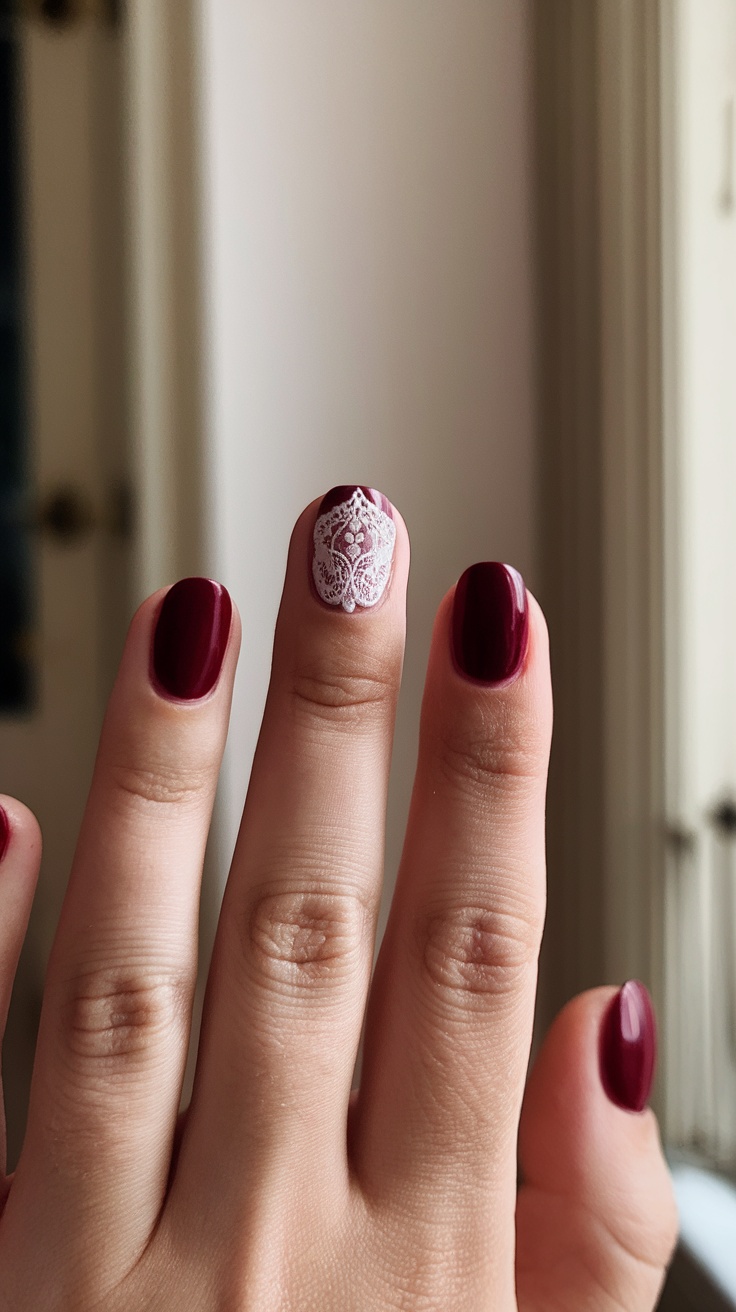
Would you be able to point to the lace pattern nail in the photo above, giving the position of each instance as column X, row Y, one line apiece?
column 353, row 551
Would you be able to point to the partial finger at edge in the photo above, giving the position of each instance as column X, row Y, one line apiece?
column 596, row 1202
column 20, row 861
column 117, row 1003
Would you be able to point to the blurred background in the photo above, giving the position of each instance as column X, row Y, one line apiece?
column 480, row 254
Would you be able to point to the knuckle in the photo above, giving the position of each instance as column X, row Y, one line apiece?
column 491, row 748
column 650, row 1251
column 340, row 699
column 467, row 951
column 343, row 690
column 119, row 1017
column 157, row 784
column 307, row 940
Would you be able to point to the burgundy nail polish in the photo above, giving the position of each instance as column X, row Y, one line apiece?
column 4, row 832
column 191, row 637
column 628, row 1047
column 490, row 622
column 353, row 547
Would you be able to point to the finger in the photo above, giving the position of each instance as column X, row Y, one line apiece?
column 449, row 1023
column 596, row 1217
column 293, row 953
column 117, row 1004
column 20, row 859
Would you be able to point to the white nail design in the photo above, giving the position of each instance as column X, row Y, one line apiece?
column 353, row 551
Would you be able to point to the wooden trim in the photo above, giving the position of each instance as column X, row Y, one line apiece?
column 632, row 448
column 570, row 487
column 170, row 468
column 166, row 290
column 601, row 492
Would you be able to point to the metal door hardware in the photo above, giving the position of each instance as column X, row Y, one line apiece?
column 723, row 817
column 67, row 516
column 64, row 13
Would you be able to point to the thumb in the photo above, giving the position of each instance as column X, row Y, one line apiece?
column 596, row 1217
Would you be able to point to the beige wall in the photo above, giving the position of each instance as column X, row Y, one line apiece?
column 368, row 265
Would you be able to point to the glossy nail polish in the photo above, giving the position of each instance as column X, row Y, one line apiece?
column 191, row 638
column 628, row 1047
column 353, row 548
column 490, row 623
column 4, row 833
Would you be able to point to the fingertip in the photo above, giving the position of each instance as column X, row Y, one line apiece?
column 20, row 863
column 183, row 644
column 596, row 1198
column 513, row 715
column 570, row 1085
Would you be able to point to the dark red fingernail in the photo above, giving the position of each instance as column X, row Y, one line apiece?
column 353, row 547
column 4, row 832
column 490, row 622
column 628, row 1048
column 191, row 638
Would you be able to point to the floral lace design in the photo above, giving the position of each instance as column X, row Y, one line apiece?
column 353, row 550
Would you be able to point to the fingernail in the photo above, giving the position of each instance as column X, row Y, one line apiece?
column 628, row 1048
column 490, row 622
column 4, row 832
column 354, row 539
column 191, row 637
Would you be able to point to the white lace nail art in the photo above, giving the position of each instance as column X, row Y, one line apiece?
column 353, row 551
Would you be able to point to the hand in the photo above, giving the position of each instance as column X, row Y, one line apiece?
column 278, row 1189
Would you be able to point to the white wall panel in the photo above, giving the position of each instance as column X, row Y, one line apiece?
column 369, row 271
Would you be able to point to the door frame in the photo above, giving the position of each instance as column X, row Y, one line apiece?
column 600, row 140
column 167, row 311
column 166, row 290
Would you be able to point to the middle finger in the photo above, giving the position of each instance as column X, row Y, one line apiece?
column 292, row 959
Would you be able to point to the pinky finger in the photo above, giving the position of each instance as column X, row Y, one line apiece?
column 20, row 859
column 596, row 1217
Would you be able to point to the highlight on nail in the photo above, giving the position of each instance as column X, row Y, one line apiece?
column 354, row 539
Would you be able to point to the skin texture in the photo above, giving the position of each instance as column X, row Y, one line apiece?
column 277, row 1190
